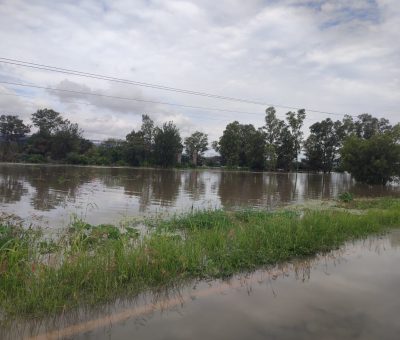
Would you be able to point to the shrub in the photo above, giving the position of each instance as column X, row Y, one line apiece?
column 345, row 197
column 35, row 158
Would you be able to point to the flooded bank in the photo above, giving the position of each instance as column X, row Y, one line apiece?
column 350, row 293
column 50, row 195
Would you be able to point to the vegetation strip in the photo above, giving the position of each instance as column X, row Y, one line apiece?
column 92, row 264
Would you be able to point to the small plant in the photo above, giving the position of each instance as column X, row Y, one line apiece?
column 345, row 197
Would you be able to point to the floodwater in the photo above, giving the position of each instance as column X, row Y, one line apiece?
column 350, row 293
column 52, row 194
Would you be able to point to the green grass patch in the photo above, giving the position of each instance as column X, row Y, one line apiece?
column 371, row 203
column 91, row 264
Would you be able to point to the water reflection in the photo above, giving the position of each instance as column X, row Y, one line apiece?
column 152, row 187
column 194, row 184
column 348, row 293
column 55, row 192
column 55, row 186
column 258, row 189
column 11, row 186
column 166, row 186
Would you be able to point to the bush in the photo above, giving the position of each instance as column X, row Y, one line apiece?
column 345, row 197
column 121, row 163
column 372, row 161
column 35, row 158
column 75, row 158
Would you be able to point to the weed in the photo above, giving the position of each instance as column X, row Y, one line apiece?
column 98, row 263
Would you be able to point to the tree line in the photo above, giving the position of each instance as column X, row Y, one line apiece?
column 365, row 146
column 57, row 139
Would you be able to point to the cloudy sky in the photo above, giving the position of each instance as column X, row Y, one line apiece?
column 340, row 56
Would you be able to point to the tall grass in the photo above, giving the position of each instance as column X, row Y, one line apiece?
column 90, row 264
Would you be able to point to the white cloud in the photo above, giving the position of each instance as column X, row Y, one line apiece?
column 333, row 56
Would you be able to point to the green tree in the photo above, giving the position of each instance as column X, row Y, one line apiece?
column 196, row 145
column 295, row 121
column 167, row 145
column 375, row 160
column 242, row 145
column 322, row 146
column 367, row 126
column 286, row 149
column 135, row 152
column 229, row 144
column 273, row 128
column 395, row 132
column 148, row 133
column 140, row 144
column 65, row 139
column 56, row 137
column 348, row 126
column 12, row 130
column 256, row 150
column 110, row 152
column 47, row 121
column 246, row 138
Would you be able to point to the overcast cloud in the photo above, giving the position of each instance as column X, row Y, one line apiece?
column 339, row 56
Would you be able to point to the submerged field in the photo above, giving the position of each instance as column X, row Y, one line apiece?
column 91, row 264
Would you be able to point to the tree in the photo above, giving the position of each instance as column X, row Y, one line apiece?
column 56, row 137
column 47, row 121
column 196, row 145
column 135, row 152
column 375, row 160
column 348, row 126
column 229, row 144
column 111, row 151
column 286, row 149
column 12, row 130
column 140, row 144
column 148, row 132
column 66, row 138
column 246, row 134
column 273, row 128
column 322, row 146
column 256, row 150
column 283, row 140
column 242, row 145
column 295, row 124
column 395, row 133
column 167, row 144
column 367, row 126
column 215, row 145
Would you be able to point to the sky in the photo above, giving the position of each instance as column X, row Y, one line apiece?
column 337, row 56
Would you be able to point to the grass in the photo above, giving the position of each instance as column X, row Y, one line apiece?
column 92, row 264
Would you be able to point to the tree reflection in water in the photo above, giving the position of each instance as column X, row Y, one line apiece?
column 54, row 192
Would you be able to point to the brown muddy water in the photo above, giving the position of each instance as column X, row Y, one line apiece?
column 350, row 293
column 52, row 194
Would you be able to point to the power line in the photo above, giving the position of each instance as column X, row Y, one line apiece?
column 128, row 98
column 25, row 96
column 91, row 104
column 22, row 63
